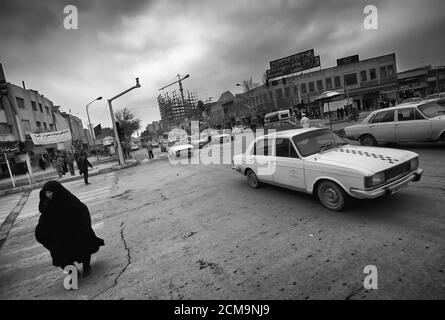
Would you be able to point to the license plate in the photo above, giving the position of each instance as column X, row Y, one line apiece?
column 399, row 188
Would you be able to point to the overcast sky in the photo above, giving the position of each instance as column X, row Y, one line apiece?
column 219, row 43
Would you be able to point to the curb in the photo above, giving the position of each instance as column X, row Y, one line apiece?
column 69, row 179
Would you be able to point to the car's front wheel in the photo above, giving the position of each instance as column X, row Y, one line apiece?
column 252, row 179
column 331, row 195
column 368, row 140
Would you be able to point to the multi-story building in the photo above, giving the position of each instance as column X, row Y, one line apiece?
column 361, row 80
column 419, row 82
column 25, row 111
column 174, row 109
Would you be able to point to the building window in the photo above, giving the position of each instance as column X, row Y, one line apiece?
column 38, row 124
column 44, row 125
column 47, row 110
column 372, row 74
column 279, row 93
column 328, row 83
column 382, row 72
column 26, row 126
column 311, row 87
column 391, row 71
column 20, row 102
column 34, row 106
column 51, row 127
column 363, row 76
column 319, row 85
column 337, row 82
column 350, row 79
column 5, row 128
column 270, row 95
column 287, row 92
column 40, row 107
column 303, row 88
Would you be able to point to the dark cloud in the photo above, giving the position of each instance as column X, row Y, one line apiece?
column 219, row 43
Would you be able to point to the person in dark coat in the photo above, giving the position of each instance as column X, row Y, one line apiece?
column 83, row 166
column 64, row 227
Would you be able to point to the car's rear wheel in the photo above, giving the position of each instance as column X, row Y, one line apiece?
column 368, row 140
column 331, row 195
column 252, row 179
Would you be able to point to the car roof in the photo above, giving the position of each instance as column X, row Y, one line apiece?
column 291, row 133
column 406, row 104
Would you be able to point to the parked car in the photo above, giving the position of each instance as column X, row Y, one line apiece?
column 197, row 141
column 281, row 125
column 319, row 162
column 134, row 147
column 179, row 150
column 410, row 100
column 414, row 122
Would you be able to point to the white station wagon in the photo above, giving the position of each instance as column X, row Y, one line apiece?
column 412, row 122
column 319, row 162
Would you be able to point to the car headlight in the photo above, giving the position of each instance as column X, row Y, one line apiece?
column 375, row 180
column 414, row 163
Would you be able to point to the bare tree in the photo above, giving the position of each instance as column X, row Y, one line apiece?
column 249, row 84
column 128, row 122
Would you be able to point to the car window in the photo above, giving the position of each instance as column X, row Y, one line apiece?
column 408, row 114
column 315, row 141
column 384, row 116
column 261, row 148
column 432, row 110
column 282, row 147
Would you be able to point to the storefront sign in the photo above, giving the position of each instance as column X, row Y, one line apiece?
column 51, row 137
column 334, row 105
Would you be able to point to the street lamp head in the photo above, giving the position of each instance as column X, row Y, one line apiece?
column 238, row 85
column 137, row 83
column 99, row 98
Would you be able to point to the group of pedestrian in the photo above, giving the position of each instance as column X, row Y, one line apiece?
column 62, row 163
column 342, row 113
column 65, row 162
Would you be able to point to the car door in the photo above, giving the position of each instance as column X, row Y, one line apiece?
column 262, row 159
column 412, row 126
column 382, row 126
column 289, row 169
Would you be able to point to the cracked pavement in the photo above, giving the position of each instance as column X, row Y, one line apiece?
column 199, row 232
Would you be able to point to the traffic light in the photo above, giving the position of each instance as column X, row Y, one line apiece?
column 3, row 88
column 120, row 132
column 21, row 147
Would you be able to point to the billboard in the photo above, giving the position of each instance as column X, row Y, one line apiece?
column 291, row 59
column 51, row 137
column 348, row 60
column 293, row 66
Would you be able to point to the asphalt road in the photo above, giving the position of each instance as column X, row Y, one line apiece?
column 199, row 232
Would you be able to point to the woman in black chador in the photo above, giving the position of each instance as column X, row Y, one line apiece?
column 64, row 227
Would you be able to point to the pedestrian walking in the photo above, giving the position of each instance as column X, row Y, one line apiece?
column 58, row 164
column 42, row 163
column 64, row 228
column 150, row 150
column 305, row 122
column 70, row 162
column 83, row 166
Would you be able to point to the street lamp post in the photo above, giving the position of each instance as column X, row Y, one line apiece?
column 91, row 128
column 116, row 136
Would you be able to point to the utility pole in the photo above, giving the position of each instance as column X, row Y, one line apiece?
column 91, row 128
column 116, row 136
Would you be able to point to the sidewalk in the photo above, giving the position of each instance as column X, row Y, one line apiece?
column 41, row 177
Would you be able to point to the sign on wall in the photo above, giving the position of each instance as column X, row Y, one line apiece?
column 292, row 64
column 51, row 137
